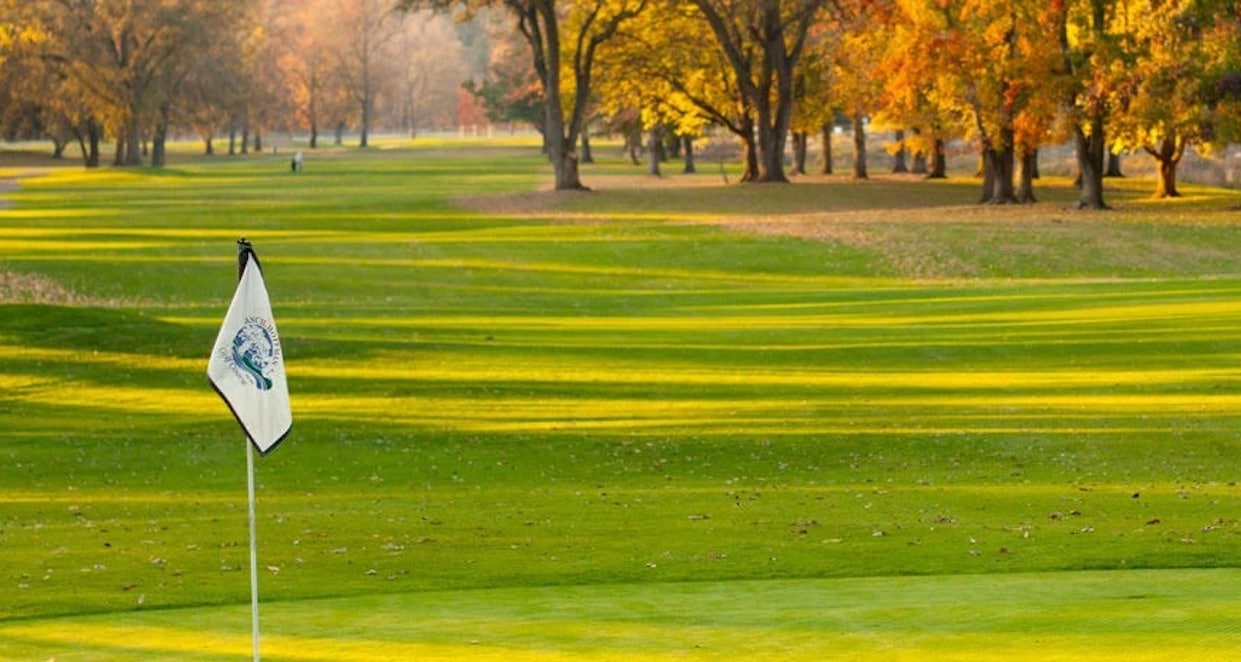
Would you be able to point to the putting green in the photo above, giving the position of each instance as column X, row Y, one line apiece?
column 1114, row 615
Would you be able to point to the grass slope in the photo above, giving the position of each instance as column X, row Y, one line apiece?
column 500, row 388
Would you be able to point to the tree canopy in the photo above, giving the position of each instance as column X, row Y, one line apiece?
column 1153, row 75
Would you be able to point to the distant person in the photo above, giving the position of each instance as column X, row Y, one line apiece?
column 296, row 164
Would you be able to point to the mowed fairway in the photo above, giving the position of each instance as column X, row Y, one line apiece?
column 664, row 420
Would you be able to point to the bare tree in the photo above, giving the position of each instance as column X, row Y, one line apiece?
column 431, row 65
column 563, row 36
column 364, row 29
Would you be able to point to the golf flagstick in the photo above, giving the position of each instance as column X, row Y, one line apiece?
column 246, row 369
column 254, row 553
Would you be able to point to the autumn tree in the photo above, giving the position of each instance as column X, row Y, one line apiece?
column 650, row 83
column 762, row 41
column 914, row 93
column 865, row 35
column 36, row 99
column 999, row 65
column 745, row 84
column 119, row 65
column 1183, row 49
column 430, row 67
column 364, row 29
column 814, row 106
column 176, row 81
column 981, row 70
column 120, row 54
column 307, row 65
column 1092, row 60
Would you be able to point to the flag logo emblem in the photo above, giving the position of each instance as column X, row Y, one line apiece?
column 254, row 355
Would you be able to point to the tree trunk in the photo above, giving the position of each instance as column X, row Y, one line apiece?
column 918, row 163
column 587, row 155
column 209, row 143
column 1006, row 192
column 232, row 138
column 339, row 138
column 258, row 141
column 160, row 139
column 158, row 151
column 657, row 143
column 770, row 152
column 1090, row 149
column 133, row 152
column 997, row 188
column 652, row 151
column 1167, row 180
column 245, row 139
column 314, row 136
column 567, row 176
column 1168, row 156
column 672, row 145
column 687, row 148
column 939, row 161
column 859, row 148
column 987, row 166
column 564, row 163
column 1025, row 183
column 118, row 159
column 899, row 164
column 1113, row 165
column 561, row 152
column 81, row 143
column 749, row 151
column 827, row 148
column 90, row 150
column 749, row 154
column 800, row 144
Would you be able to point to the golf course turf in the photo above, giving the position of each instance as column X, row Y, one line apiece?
column 665, row 419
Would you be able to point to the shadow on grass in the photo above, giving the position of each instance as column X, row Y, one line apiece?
column 87, row 329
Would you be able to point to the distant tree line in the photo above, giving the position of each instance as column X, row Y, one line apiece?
column 1109, row 76
column 131, row 71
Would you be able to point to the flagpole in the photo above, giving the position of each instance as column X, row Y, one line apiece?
column 246, row 369
column 243, row 248
column 254, row 553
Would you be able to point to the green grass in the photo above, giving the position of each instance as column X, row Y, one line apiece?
column 1137, row 615
column 669, row 395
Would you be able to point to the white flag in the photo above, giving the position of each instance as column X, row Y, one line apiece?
column 247, row 364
